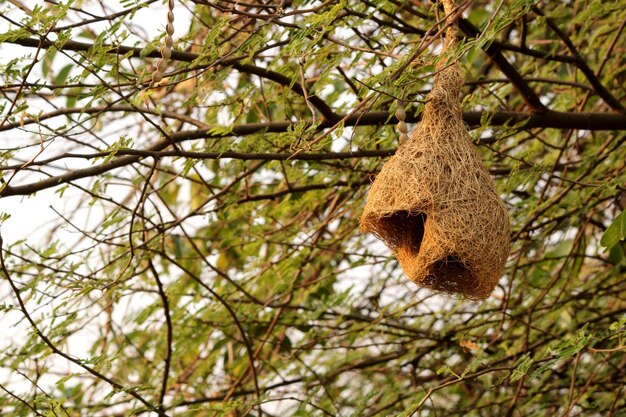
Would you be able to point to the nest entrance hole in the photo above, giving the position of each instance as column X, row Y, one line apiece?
column 404, row 232
column 451, row 275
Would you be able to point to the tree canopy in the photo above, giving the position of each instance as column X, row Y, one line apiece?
column 195, row 247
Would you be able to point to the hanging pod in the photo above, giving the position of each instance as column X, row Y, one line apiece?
column 435, row 205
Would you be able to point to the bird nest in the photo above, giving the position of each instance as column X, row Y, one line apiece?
column 435, row 205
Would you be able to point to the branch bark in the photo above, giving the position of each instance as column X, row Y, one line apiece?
column 281, row 79
column 529, row 95
column 600, row 89
column 549, row 119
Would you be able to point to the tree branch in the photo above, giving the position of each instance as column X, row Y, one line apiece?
column 549, row 119
column 279, row 78
column 529, row 95
column 169, row 331
column 582, row 64
column 59, row 352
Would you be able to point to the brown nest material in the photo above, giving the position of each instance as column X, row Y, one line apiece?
column 435, row 205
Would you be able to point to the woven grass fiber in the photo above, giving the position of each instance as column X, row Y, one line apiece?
column 435, row 205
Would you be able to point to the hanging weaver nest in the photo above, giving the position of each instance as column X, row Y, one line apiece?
column 435, row 205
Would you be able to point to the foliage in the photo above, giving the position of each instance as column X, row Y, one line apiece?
column 195, row 250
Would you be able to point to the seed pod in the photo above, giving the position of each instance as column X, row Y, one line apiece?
column 401, row 127
column 166, row 49
column 401, row 114
column 157, row 76
column 166, row 52
column 161, row 65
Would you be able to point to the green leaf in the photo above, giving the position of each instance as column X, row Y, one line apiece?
column 616, row 255
column 63, row 74
column 46, row 62
column 523, row 364
column 615, row 232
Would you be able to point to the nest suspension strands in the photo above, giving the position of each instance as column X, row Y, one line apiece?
column 434, row 204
